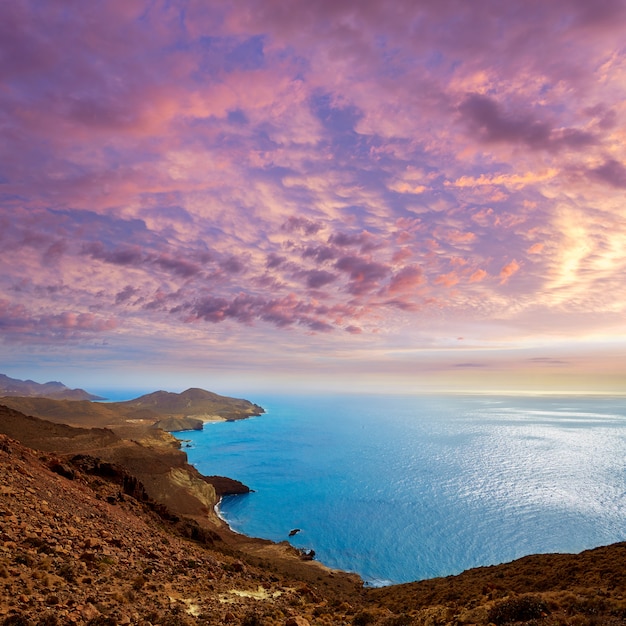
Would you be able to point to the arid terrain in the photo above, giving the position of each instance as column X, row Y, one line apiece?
column 110, row 525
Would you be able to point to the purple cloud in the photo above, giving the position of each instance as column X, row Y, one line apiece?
column 126, row 294
column 318, row 278
column 125, row 255
column 18, row 324
column 180, row 267
column 612, row 172
column 232, row 265
column 245, row 308
column 320, row 253
column 487, row 120
column 303, row 225
column 364, row 275
column 274, row 260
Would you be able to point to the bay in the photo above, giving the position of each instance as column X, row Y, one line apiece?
column 402, row 488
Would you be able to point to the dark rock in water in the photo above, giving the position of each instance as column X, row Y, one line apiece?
column 307, row 555
column 294, row 531
column 227, row 486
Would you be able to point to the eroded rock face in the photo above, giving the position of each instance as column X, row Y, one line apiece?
column 227, row 486
column 192, row 482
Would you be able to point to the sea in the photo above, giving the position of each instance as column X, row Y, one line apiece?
column 404, row 488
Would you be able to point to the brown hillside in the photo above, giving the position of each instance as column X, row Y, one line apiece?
column 93, row 544
column 79, row 551
column 80, row 413
column 190, row 403
column 160, row 406
column 49, row 436
column 162, row 468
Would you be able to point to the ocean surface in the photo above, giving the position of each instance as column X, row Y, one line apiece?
column 402, row 488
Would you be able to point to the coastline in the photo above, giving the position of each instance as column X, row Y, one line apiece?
column 302, row 560
column 185, row 490
column 220, row 515
column 290, row 459
column 295, row 592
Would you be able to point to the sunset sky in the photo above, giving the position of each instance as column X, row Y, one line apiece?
column 406, row 196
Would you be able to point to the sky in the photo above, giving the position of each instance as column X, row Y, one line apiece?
column 331, row 195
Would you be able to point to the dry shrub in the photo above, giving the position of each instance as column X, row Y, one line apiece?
column 363, row 618
column 17, row 620
column 518, row 609
column 398, row 620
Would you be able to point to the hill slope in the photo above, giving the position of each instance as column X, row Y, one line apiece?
column 78, row 547
column 193, row 402
column 80, row 551
column 170, row 411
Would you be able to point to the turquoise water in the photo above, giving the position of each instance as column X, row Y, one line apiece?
column 406, row 488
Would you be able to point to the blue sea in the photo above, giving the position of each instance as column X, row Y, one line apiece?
column 402, row 488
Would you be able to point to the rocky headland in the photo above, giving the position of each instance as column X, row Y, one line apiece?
column 103, row 522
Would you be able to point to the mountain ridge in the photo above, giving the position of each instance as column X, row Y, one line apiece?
column 167, row 410
column 52, row 389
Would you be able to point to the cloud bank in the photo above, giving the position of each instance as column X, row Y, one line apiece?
column 350, row 175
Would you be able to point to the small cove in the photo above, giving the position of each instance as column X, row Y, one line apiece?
column 400, row 488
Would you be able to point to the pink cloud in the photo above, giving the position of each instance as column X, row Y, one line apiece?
column 406, row 279
column 401, row 255
column 478, row 276
column 85, row 322
column 447, row 280
column 509, row 270
column 456, row 236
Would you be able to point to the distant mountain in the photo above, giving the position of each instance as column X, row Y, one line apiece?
column 31, row 389
column 168, row 411
column 194, row 402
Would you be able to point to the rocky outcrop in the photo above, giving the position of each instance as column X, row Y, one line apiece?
column 226, row 486
column 179, row 424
